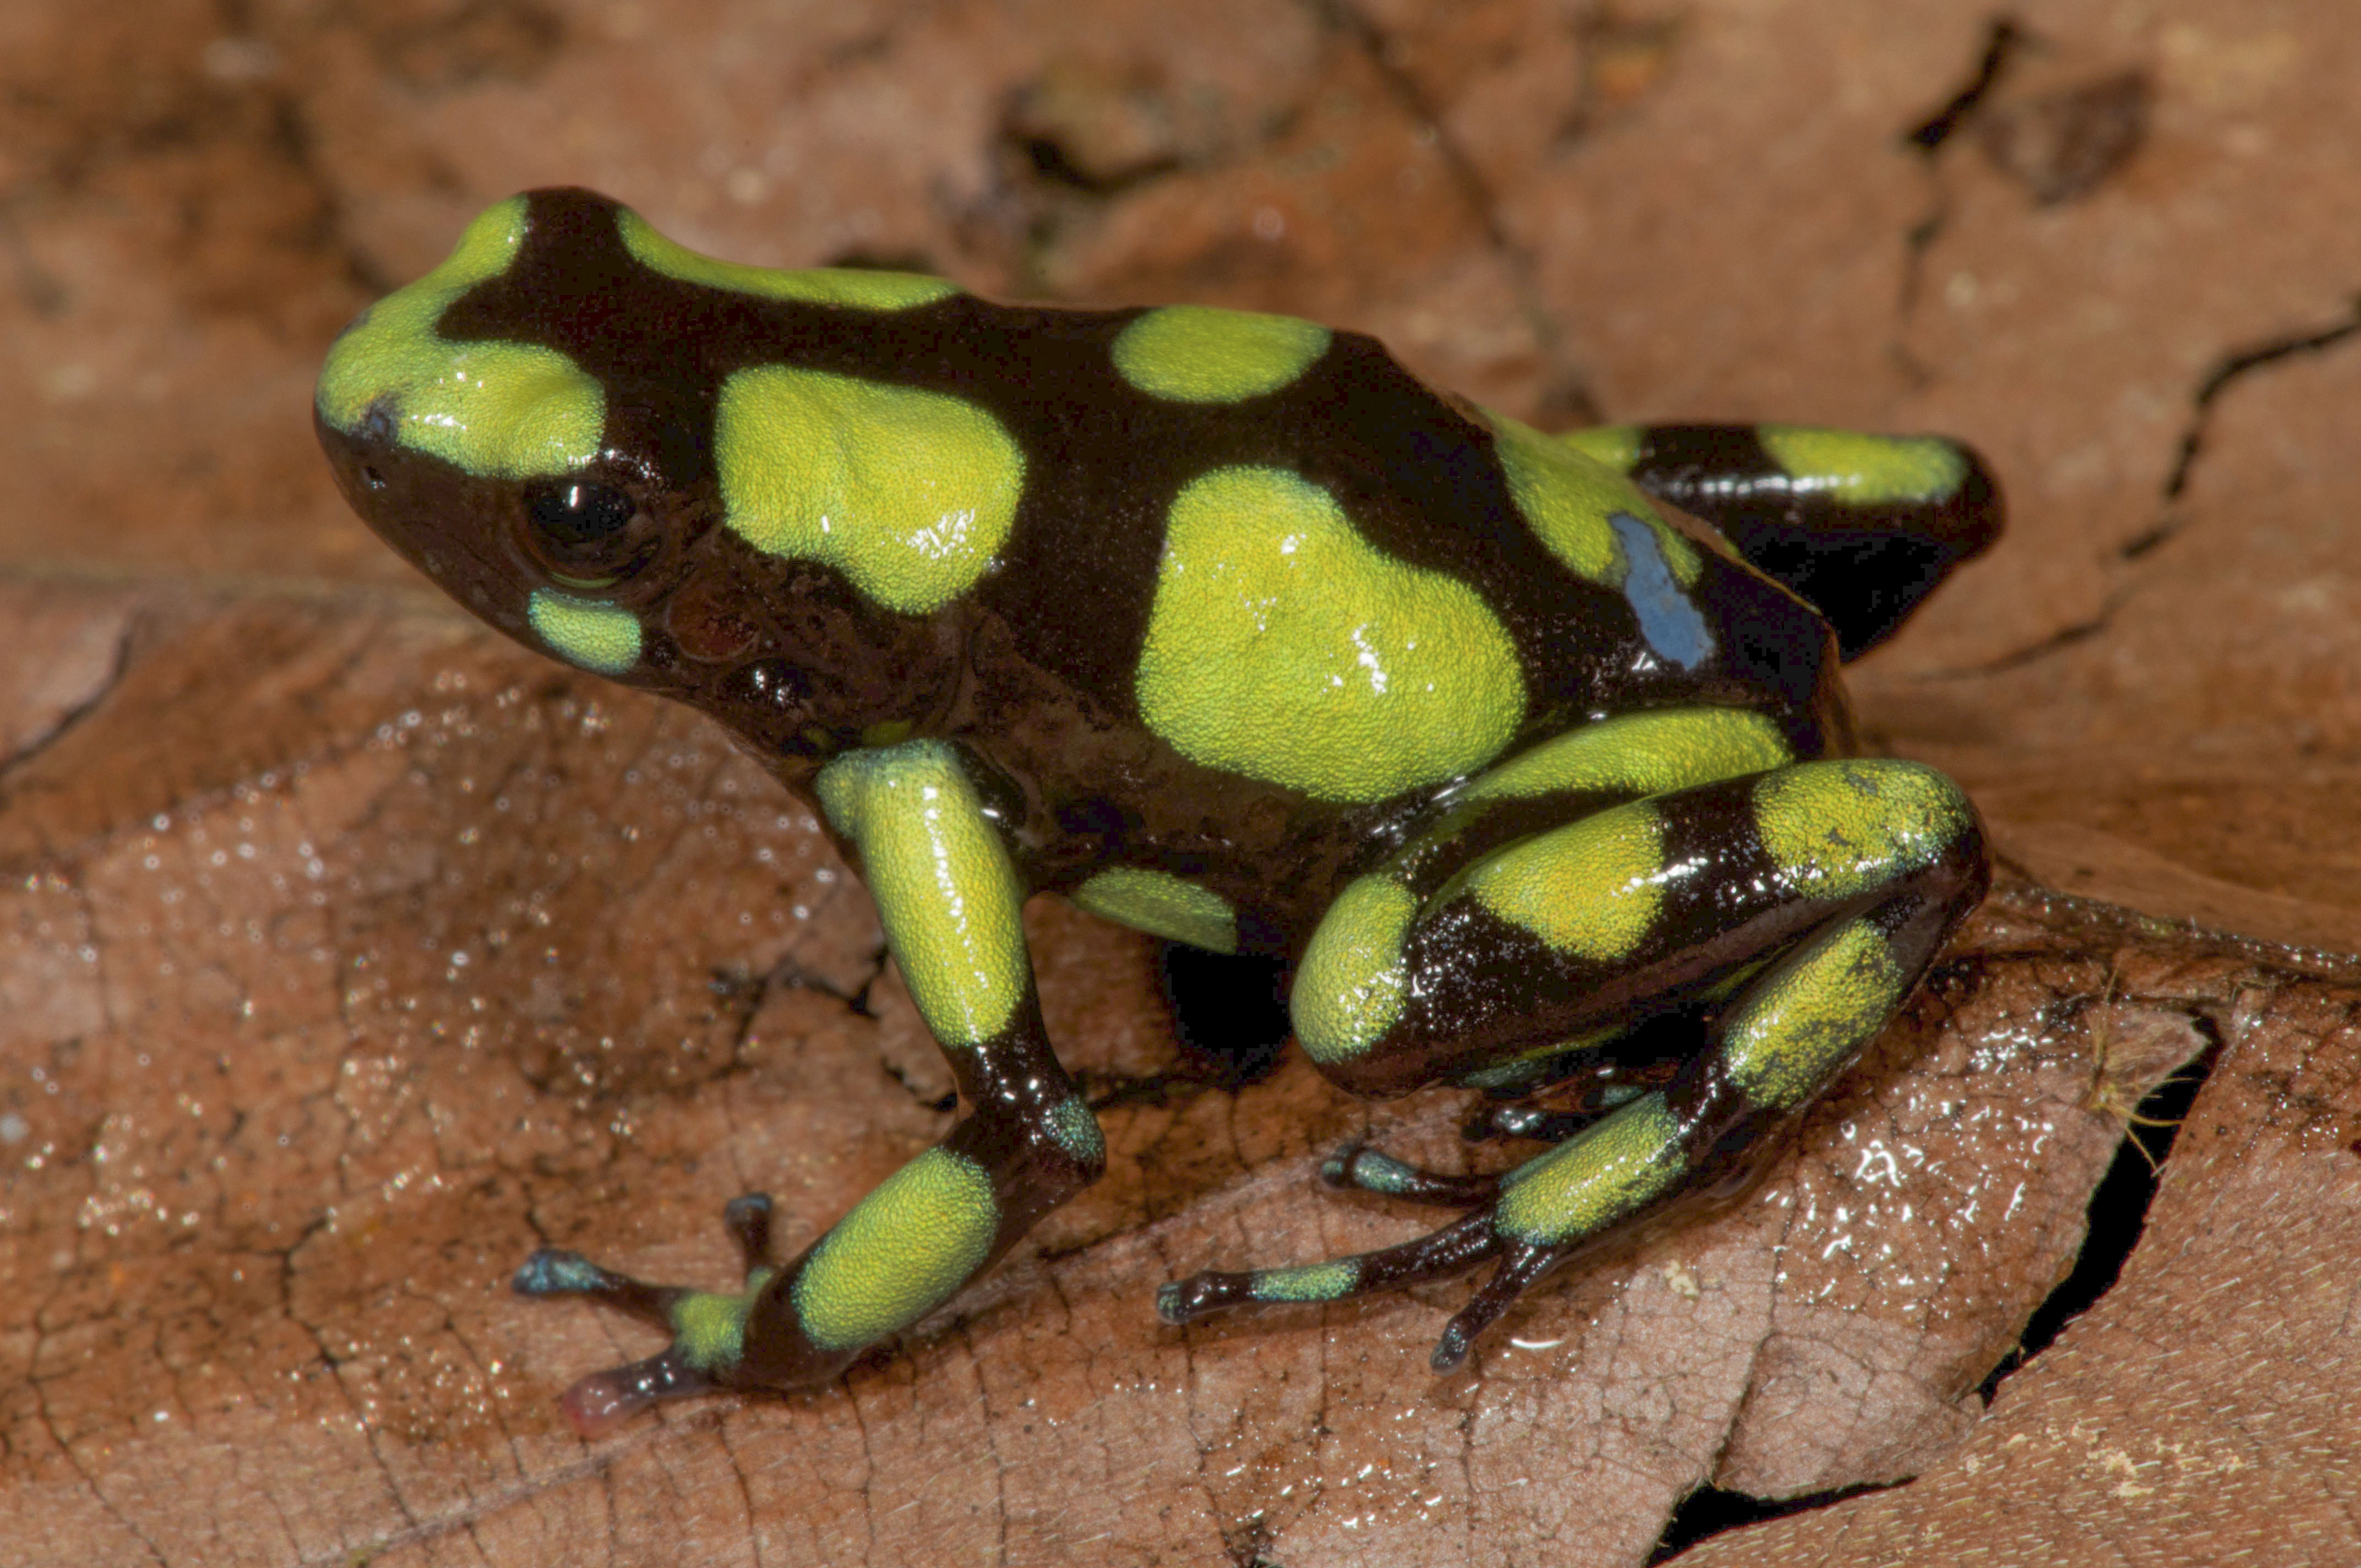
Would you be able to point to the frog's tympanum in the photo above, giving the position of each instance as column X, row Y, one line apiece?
column 1527, row 752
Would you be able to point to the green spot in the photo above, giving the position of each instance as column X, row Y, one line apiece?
column 1568, row 499
column 908, row 493
column 1375, row 1172
column 850, row 288
column 1798, row 1028
column 1077, row 1132
column 1842, row 829
column 1595, row 1178
column 710, row 1327
column 1307, row 1282
column 903, row 1251
column 1163, row 905
column 942, row 882
column 1589, row 889
column 1640, row 753
column 601, row 637
column 1616, row 446
column 1353, row 981
column 501, row 410
column 1283, row 647
column 1865, row 470
column 1194, row 354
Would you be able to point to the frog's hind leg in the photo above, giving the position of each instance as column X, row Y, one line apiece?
column 1788, row 1034
column 1862, row 526
column 1828, row 887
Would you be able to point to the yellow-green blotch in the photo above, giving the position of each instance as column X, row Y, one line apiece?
column 1616, row 446
column 1307, row 1282
column 1866, row 470
column 1567, row 497
column 852, row 287
column 1195, row 354
column 942, row 882
column 1163, row 905
column 1283, row 647
column 1595, row 1178
column 903, row 1251
column 1640, row 753
column 1840, row 828
column 710, row 1326
column 1353, row 981
column 501, row 410
column 1077, row 1131
column 596, row 636
column 1589, row 889
column 908, row 493
column 1806, row 1021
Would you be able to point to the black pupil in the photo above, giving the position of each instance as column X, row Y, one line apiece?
column 571, row 517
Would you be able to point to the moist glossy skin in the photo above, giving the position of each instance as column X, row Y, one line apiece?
column 1228, row 628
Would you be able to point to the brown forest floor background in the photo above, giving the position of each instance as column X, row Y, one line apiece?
column 351, row 954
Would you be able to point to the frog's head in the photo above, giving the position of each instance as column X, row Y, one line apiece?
column 533, row 425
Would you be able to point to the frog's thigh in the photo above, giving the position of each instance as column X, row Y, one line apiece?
column 1900, row 853
column 1567, row 935
column 1862, row 526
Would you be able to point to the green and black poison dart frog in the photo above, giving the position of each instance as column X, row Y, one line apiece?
column 1227, row 628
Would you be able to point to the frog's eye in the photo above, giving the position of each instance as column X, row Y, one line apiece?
column 583, row 532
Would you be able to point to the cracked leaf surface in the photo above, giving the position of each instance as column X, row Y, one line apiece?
column 2151, row 699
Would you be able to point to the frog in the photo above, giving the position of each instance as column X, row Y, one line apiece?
column 1527, row 755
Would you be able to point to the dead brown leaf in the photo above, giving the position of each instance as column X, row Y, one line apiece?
column 468, row 953
column 353, row 955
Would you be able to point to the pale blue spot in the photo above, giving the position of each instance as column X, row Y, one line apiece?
column 1667, row 620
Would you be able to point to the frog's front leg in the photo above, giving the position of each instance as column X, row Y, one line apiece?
column 1812, row 895
column 951, row 903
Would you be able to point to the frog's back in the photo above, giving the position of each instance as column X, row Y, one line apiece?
column 1257, row 543
column 1349, row 562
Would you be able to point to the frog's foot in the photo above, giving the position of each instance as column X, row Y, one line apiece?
column 709, row 1326
column 1538, row 1215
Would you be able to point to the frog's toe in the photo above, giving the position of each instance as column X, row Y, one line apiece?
column 554, row 1272
column 1213, row 1290
column 1209, row 1291
column 1451, row 1250
column 1365, row 1169
column 747, row 1218
column 1522, row 1268
column 596, row 1403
